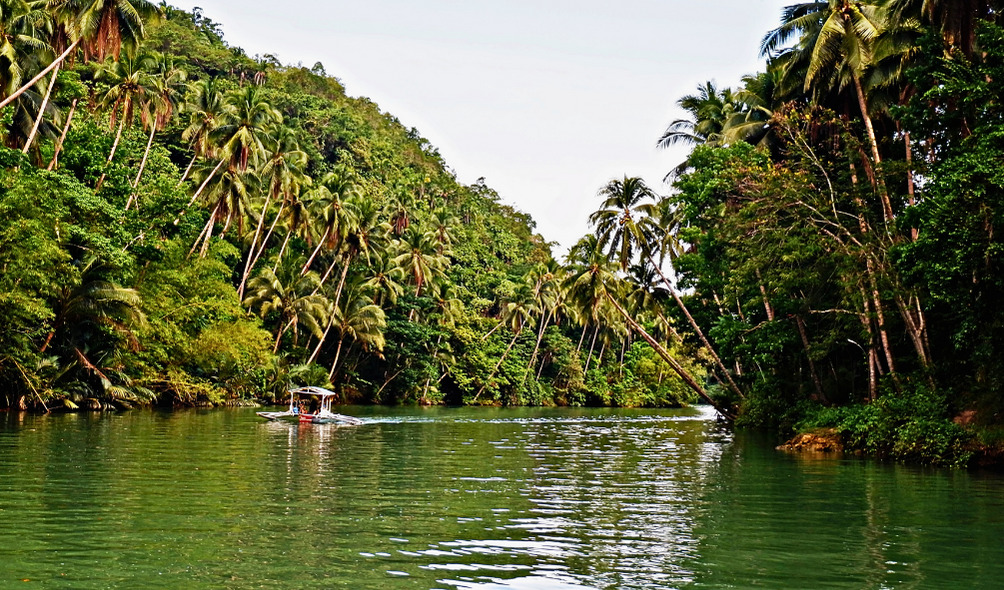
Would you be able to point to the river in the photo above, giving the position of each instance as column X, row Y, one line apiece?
column 479, row 499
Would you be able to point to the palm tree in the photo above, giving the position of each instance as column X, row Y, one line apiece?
column 335, row 218
column 361, row 320
column 836, row 41
column 591, row 285
column 102, row 27
column 419, row 255
column 291, row 296
column 159, row 107
column 710, row 110
column 283, row 173
column 441, row 222
column 625, row 223
column 386, row 278
column 92, row 304
column 517, row 314
column 244, row 132
column 206, row 107
column 955, row 19
column 229, row 196
column 547, row 295
column 131, row 85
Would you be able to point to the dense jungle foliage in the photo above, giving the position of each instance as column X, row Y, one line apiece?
column 839, row 212
column 183, row 224
column 186, row 224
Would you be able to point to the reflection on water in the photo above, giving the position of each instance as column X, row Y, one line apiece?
column 472, row 499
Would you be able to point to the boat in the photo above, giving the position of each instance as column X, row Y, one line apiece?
column 323, row 415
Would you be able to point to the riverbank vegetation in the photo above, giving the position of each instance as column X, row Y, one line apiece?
column 183, row 223
column 840, row 212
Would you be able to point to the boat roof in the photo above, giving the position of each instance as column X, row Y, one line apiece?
column 312, row 390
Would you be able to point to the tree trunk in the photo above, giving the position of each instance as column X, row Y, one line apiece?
column 33, row 81
column 62, row 137
column 582, row 337
column 812, row 365
column 278, row 258
column 310, row 260
column 188, row 169
column 198, row 192
column 687, row 378
column 253, row 249
column 697, row 329
column 766, row 302
column 142, row 163
column 207, row 228
column 536, row 347
column 331, row 320
column 499, row 364
column 41, row 111
column 278, row 337
column 887, row 212
column 592, row 346
column 338, row 354
column 910, row 189
column 115, row 144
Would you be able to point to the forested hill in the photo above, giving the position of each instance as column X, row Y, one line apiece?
column 185, row 224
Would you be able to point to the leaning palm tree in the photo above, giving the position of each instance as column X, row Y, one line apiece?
column 167, row 81
column 334, row 217
column 591, row 286
column 245, row 132
column 625, row 224
column 419, row 255
column 360, row 320
column 20, row 38
column 517, row 314
column 102, row 27
column 386, row 278
column 131, row 85
column 283, row 174
column 229, row 197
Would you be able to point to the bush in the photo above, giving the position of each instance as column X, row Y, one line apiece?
column 909, row 425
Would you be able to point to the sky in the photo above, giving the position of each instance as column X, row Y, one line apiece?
column 548, row 100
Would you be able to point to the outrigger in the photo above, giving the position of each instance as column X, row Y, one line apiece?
column 323, row 415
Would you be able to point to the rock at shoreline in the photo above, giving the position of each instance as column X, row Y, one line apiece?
column 826, row 440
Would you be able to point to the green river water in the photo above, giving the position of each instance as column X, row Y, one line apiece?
column 482, row 499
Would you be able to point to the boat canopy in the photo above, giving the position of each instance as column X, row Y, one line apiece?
column 311, row 390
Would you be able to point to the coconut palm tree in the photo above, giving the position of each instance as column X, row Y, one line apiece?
column 418, row 253
column 91, row 305
column 592, row 285
column 625, row 224
column 167, row 81
column 517, row 314
column 130, row 86
column 292, row 297
column 102, row 27
column 836, row 43
column 955, row 19
column 228, row 196
column 206, row 107
column 244, row 132
column 386, row 277
column 360, row 320
column 334, row 217
column 710, row 111
column 283, row 174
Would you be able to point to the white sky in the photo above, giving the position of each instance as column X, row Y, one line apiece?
column 547, row 99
